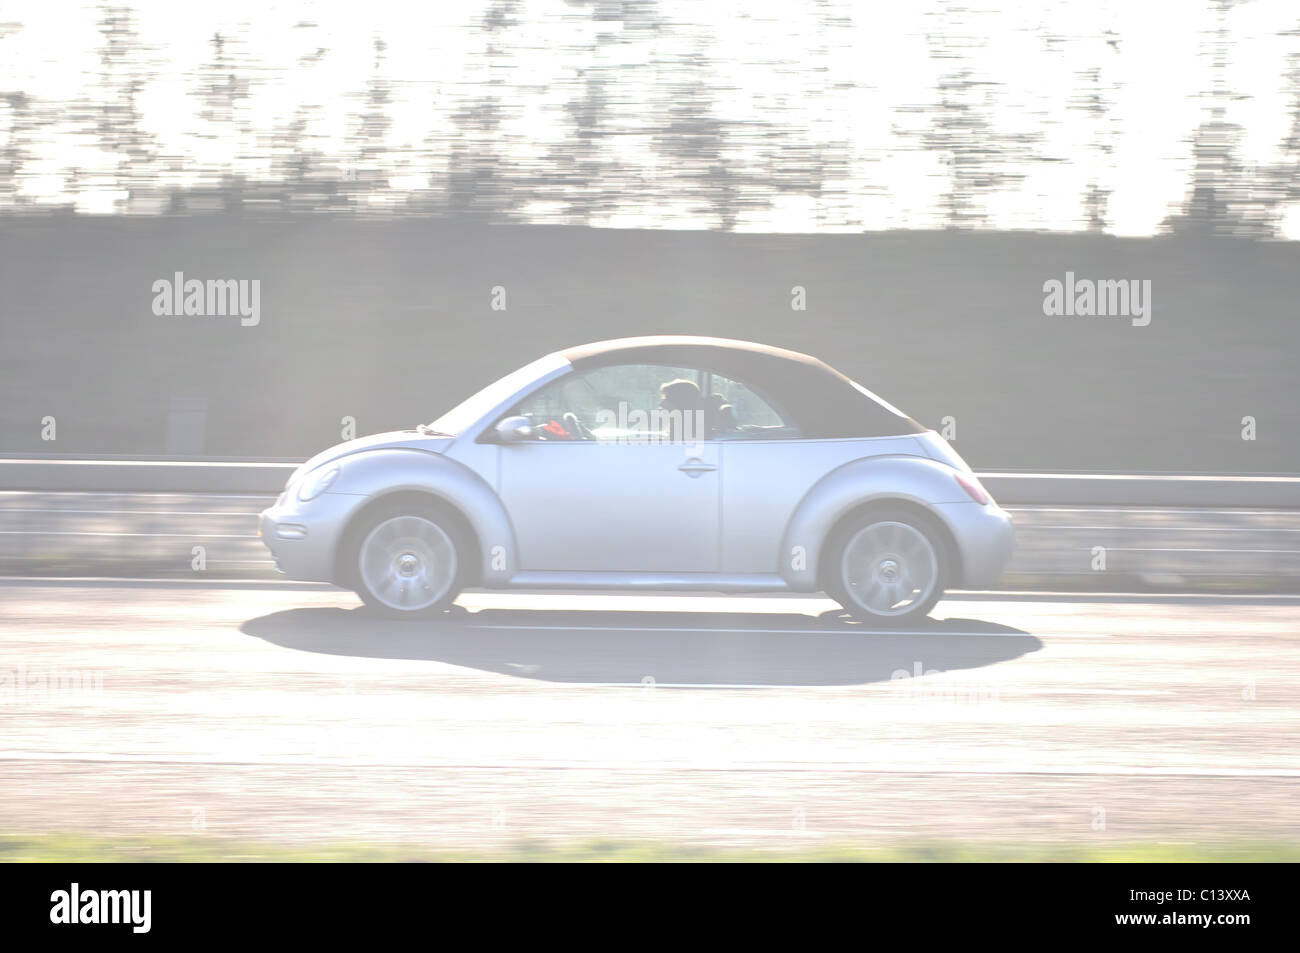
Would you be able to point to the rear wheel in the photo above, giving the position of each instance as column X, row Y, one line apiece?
column 406, row 563
column 887, row 566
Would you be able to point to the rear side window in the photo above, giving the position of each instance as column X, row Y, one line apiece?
column 740, row 413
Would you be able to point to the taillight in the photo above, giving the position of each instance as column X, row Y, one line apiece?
column 972, row 488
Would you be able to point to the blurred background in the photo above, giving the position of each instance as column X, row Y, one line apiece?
column 645, row 166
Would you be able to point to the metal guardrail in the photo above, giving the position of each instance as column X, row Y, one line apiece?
column 1071, row 489
column 1098, row 548
column 143, row 476
column 1011, row 489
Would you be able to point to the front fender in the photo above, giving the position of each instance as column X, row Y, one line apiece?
column 374, row 474
column 918, row 480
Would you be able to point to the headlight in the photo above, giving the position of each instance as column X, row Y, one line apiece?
column 317, row 482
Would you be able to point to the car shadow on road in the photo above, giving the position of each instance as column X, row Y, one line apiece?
column 669, row 649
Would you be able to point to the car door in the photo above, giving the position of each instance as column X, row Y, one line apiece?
column 604, row 488
column 769, row 469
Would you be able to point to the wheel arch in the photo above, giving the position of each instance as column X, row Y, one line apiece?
column 461, row 527
column 917, row 511
column 917, row 484
column 388, row 477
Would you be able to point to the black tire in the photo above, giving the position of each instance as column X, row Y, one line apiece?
column 917, row 539
column 406, row 560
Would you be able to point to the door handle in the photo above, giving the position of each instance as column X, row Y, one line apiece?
column 695, row 466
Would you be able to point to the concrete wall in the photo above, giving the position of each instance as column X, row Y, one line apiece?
column 391, row 323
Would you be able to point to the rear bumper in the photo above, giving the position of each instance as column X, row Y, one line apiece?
column 986, row 540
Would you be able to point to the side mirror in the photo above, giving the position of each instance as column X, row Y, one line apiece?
column 514, row 430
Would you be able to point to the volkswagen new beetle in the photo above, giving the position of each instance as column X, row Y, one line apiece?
column 649, row 463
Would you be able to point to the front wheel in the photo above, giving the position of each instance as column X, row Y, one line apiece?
column 887, row 567
column 406, row 562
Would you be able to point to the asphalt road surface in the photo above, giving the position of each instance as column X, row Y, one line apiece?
column 287, row 714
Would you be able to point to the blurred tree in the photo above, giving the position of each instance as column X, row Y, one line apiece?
column 1286, row 176
column 298, row 165
column 478, row 179
column 801, row 155
column 123, row 71
column 586, row 168
column 1096, row 99
column 18, row 120
column 224, row 88
column 1225, row 198
column 366, row 172
column 698, row 144
column 980, row 158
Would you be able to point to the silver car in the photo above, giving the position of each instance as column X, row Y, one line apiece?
column 679, row 463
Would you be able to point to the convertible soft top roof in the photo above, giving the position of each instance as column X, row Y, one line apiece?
column 824, row 403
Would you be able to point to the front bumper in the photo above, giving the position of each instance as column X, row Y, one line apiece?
column 304, row 537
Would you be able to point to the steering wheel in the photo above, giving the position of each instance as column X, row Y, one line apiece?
column 576, row 427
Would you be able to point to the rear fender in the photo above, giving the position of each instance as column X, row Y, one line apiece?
column 916, row 480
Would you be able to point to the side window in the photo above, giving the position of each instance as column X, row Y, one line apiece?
column 623, row 402
column 652, row 403
column 738, row 413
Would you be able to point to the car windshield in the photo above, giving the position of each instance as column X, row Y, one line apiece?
column 472, row 409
